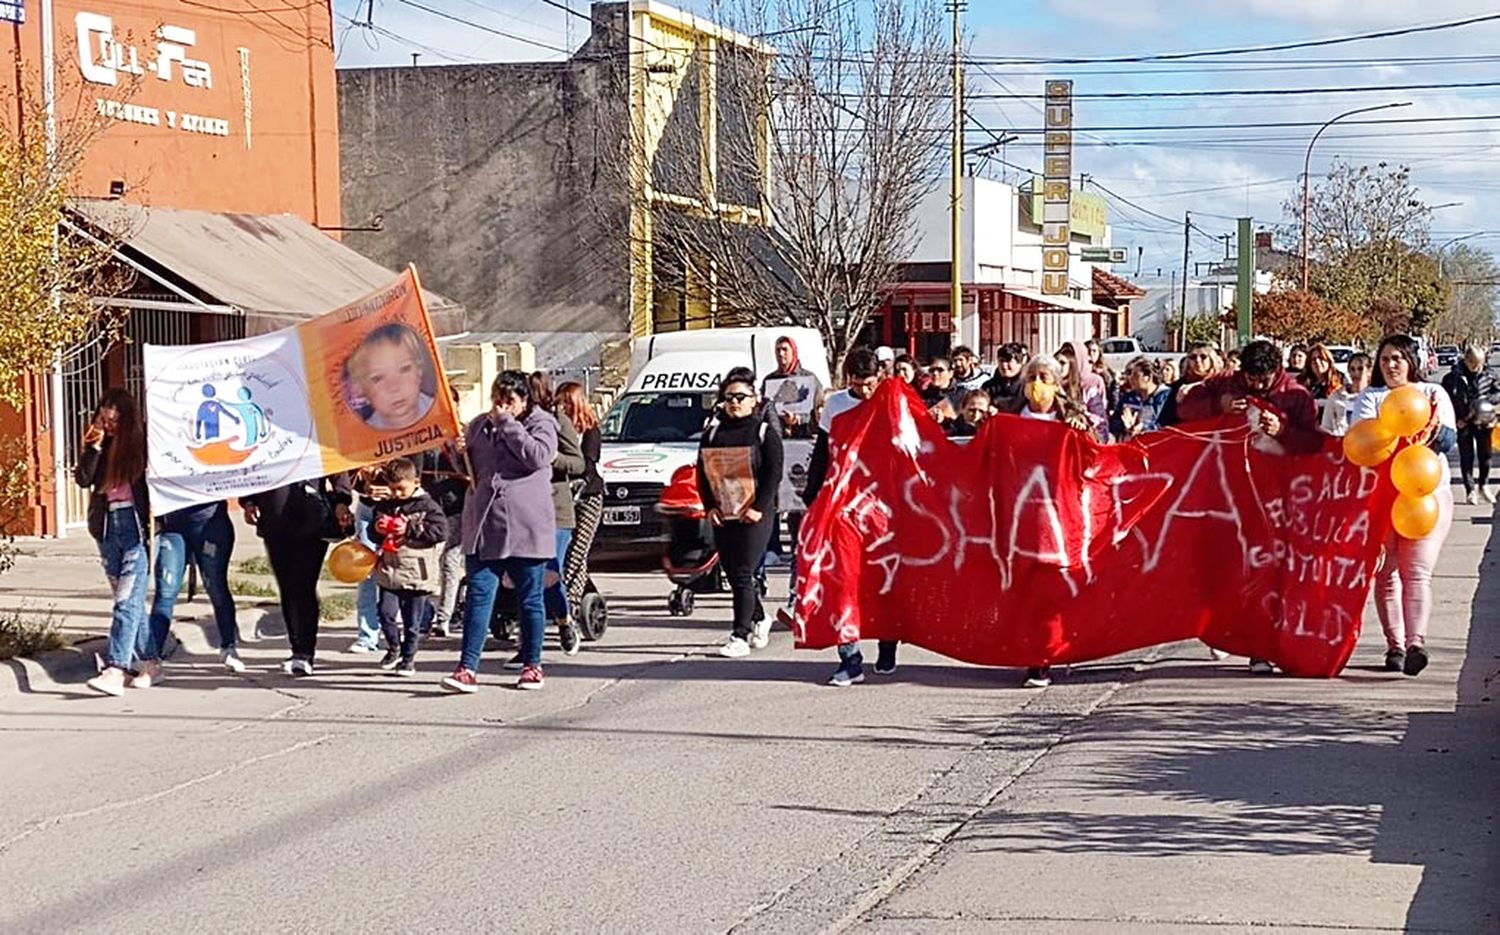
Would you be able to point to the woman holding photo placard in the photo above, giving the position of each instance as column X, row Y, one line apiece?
column 739, row 471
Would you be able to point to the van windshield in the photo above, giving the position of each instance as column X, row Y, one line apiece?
column 657, row 417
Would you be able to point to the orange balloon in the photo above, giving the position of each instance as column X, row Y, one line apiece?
column 351, row 561
column 1417, row 471
column 1495, row 437
column 1405, row 411
column 1368, row 443
column 1414, row 517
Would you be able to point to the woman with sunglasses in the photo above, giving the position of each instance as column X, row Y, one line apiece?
column 1202, row 361
column 739, row 472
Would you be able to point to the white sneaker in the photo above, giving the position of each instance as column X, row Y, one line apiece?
column 735, row 648
column 150, row 674
column 1486, row 495
column 1471, row 498
column 110, row 682
column 233, row 662
column 1217, row 655
column 441, row 630
column 760, row 637
column 360, row 646
column 297, row 666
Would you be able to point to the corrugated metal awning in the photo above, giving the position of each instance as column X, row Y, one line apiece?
column 276, row 270
column 1062, row 302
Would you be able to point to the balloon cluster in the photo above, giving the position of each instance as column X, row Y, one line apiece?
column 351, row 561
column 1417, row 471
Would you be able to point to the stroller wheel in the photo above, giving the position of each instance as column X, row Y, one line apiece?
column 674, row 603
column 593, row 615
column 761, row 586
column 687, row 602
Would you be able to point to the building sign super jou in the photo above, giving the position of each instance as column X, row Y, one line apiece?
column 1057, row 187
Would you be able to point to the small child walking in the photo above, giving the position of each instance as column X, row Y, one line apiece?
column 413, row 529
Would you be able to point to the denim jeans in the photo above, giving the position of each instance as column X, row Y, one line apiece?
column 366, row 596
column 127, row 565
column 414, row 610
column 208, row 545
column 453, row 573
column 556, row 594
column 528, row 576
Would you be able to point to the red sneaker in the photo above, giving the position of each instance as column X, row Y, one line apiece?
column 462, row 680
column 531, row 678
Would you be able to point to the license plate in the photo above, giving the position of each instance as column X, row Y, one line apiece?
column 622, row 516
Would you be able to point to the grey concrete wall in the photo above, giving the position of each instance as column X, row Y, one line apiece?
column 500, row 182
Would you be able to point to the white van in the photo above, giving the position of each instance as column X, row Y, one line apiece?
column 654, row 428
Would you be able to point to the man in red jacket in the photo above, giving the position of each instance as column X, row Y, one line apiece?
column 1292, row 419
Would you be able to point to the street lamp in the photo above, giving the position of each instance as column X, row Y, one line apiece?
column 1450, row 243
column 1307, row 170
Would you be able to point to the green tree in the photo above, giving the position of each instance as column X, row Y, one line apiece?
column 1368, row 241
column 1472, row 276
column 50, row 279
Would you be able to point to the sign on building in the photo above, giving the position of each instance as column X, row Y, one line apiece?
column 1057, row 187
column 12, row 11
column 1104, row 255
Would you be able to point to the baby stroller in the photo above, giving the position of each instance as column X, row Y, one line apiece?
column 691, row 561
column 591, row 616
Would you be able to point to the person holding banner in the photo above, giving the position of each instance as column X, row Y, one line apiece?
column 296, row 521
column 112, row 466
column 1044, row 397
column 510, row 528
column 1279, row 408
column 1403, row 579
column 739, row 473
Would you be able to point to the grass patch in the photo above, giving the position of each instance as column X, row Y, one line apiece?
column 256, row 565
column 242, row 587
column 23, row 634
column 260, row 565
column 334, row 607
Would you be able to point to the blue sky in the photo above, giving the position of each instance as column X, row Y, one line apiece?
column 1216, row 173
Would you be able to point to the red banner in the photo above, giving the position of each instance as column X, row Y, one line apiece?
column 1033, row 545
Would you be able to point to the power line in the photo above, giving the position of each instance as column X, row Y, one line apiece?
column 482, row 27
column 1248, row 92
column 1252, row 50
column 1270, row 124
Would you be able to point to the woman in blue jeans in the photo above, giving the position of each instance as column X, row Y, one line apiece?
column 112, row 465
column 204, row 536
column 510, row 528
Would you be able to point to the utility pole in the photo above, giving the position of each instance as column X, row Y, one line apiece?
column 1244, row 292
column 956, row 297
column 1187, row 229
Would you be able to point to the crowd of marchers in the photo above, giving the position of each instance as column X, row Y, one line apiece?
column 507, row 512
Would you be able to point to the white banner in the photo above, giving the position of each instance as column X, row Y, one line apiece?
column 359, row 385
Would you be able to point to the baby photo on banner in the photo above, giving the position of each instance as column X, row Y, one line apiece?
column 358, row 385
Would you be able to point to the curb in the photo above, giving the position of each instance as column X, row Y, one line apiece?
column 54, row 670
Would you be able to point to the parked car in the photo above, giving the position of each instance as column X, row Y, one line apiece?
column 1447, row 355
column 1118, row 352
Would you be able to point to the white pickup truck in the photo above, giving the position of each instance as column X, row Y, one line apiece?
column 1120, row 351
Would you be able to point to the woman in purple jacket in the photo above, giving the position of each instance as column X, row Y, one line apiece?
column 510, row 528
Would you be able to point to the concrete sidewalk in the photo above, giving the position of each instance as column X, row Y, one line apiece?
column 1197, row 796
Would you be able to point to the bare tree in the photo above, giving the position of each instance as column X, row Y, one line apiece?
column 779, row 185
column 1474, row 296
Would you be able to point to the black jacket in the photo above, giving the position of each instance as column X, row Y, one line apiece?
column 89, row 473
column 426, row 523
column 446, row 478
column 300, row 511
column 1002, row 388
column 592, row 443
column 1466, row 388
column 764, row 444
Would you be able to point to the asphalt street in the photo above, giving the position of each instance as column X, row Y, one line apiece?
column 651, row 787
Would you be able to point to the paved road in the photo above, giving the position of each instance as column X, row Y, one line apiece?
column 650, row 788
